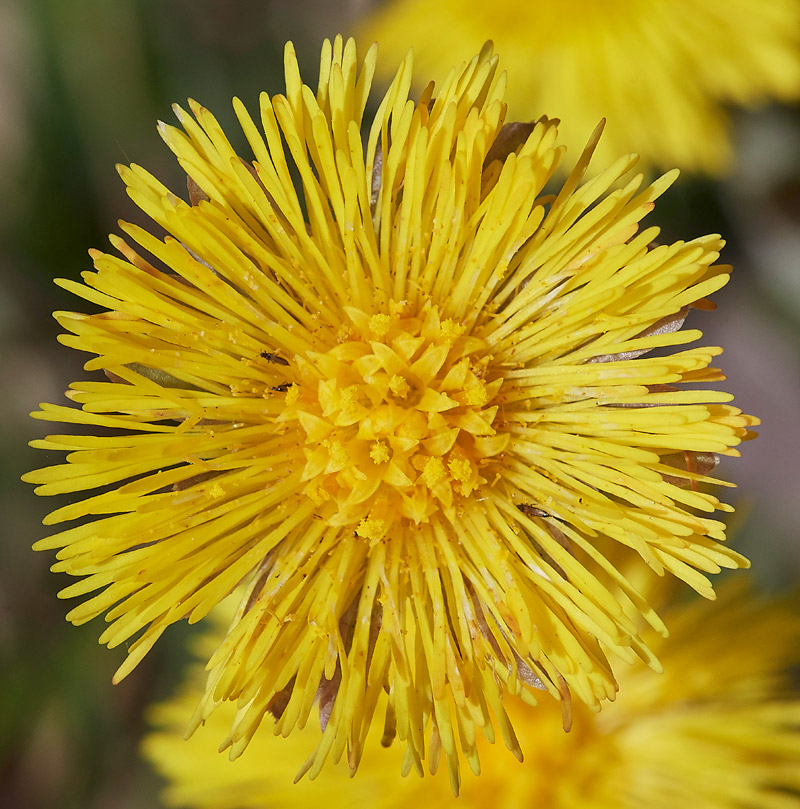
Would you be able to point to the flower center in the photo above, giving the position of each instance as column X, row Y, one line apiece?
column 398, row 419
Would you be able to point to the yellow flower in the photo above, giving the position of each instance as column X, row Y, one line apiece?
column 402, row 400
column 660, row 71
column 720, row 729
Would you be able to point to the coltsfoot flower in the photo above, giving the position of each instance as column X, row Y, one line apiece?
column 660, row 71
column 719, row 729
column 401, row 398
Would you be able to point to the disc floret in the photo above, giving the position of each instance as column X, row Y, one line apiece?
column 399, row 418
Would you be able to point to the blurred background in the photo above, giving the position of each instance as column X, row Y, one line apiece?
column 82, row 83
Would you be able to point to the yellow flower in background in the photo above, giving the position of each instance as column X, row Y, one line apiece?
column 403, row 401
column 719, row 729
column 660, row 71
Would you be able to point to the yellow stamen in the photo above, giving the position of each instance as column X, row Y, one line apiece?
column 379, row 452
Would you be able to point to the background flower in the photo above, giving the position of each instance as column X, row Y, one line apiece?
column 659, row 72
column 719, row 728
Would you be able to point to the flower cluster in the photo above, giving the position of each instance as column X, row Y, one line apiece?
column 405, row 400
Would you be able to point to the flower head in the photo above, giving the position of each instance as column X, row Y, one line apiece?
column 719, row 729
column 659, row 71
column 403, row 402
